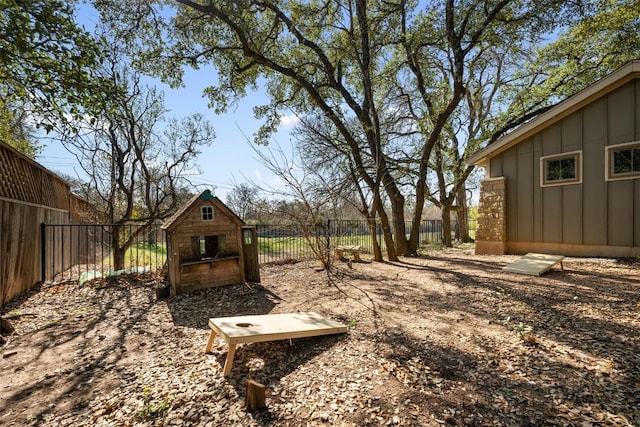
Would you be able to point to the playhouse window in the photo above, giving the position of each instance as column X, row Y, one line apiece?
column 561, row 169
column 207, row 246
column 207, row 213
column 623, row 161
column 248, row 237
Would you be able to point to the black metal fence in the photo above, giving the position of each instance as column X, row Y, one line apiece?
column 292, row 242
column 86, row 251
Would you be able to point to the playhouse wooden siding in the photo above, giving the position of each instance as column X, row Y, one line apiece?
column 596, row 217
column 187, row 273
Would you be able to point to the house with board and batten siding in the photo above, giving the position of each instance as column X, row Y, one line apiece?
column 568, row 182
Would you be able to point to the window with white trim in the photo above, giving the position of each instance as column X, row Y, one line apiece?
column 622, row 161
column 248, row 237
column 561, row 169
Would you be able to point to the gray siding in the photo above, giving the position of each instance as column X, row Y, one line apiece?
column 595, row 212
column 571, row 128
column 594, row 202
column 620, row 213
column 620, row 106
column 551, row 196
column 495, row 167
column 525, row 191
column 572, row 214
column 538, row 206
column 620, row 203
column 571, row 140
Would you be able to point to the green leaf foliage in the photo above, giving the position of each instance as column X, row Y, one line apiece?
column 15, row 131
column 593, row 45
column 45, row 57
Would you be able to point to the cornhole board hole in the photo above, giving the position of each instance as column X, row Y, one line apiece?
column 534, row 264
column 268, row 327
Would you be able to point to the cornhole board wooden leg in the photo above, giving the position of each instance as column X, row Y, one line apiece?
column 212, row 337
column 228, row 364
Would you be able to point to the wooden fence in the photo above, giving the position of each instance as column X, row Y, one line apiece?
column 29, row 196
column 24, row 180
column 21, row 246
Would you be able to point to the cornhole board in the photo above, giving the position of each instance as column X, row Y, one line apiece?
column 268, row 327
column 534, row 264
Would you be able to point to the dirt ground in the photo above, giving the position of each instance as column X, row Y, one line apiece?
column 444, row 339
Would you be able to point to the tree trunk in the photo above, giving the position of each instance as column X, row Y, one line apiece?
column 116, row 248
column 373, row 232
column 400, row 230
column 446, row 225
column 421, row 186
column 392, row 255
column 462, row 215
column 397, row 234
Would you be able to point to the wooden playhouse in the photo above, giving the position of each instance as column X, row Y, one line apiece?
column 208, row 246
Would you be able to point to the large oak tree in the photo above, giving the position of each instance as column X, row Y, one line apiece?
column 371, row 69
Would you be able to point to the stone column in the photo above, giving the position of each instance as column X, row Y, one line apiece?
column 492, row 225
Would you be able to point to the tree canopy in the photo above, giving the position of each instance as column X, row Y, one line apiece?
column 46, row 58
column 15, row 129
column 390, row 79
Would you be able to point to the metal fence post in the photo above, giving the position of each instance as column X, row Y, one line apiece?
column 328, row 235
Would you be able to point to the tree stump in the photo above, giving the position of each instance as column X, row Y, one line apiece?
column 255, row 397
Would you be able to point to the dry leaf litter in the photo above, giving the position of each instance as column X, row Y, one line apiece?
column 444, row 339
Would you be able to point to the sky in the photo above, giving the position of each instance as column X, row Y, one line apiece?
column 228, row 161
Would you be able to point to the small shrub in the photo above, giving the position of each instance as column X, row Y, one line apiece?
column 526, row 334
column 152, row 409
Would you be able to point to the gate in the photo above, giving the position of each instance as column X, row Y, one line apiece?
column 250, row 254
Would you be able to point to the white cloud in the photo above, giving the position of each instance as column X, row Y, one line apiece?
column 288, row 121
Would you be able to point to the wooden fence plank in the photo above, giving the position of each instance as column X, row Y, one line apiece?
column 29, row 195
